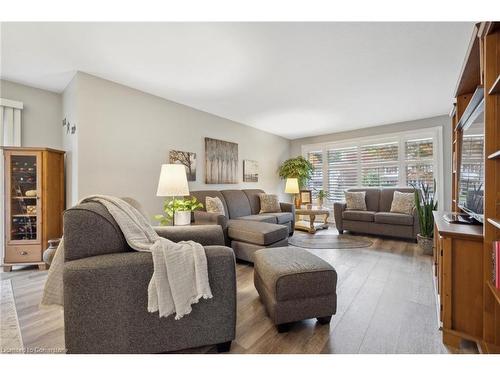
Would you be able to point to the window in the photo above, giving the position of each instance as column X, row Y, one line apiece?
column 342, row 171
column 402, row 159
column 379, row 164
column 419, row 160
column 316, row 182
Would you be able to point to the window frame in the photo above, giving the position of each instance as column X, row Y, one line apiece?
column 435, row 133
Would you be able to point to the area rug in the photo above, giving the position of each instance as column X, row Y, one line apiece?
column 328, row 241
column 10, row 334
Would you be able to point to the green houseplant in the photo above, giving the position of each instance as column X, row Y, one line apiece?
column 178, row 211
column 425, row 203
column 299, row 168
column 322, row 194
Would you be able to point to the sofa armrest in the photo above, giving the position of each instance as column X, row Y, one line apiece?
column 204, row 234
column 107, row 296
column 288, row 207
column 338, row 208
column 210, row 218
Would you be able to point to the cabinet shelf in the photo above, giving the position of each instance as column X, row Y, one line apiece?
column 23, row 215
column 23, row 198
column 495, row 155
column 494, row 291
column 495, row 88
column 494, row 222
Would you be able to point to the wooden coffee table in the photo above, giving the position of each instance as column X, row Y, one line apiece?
column 311, row 226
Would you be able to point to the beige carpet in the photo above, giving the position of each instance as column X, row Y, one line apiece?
column 10, row 334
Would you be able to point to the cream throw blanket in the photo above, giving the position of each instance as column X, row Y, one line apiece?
column 180, row 276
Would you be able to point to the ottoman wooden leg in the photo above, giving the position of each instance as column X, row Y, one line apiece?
column 284, row 327
column 324, row 319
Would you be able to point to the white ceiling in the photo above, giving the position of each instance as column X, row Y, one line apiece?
column 290, row 79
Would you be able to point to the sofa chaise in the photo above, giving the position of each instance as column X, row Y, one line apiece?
column 377, row 219
column 245, row 229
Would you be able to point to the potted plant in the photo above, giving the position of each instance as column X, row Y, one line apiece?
column 321, row 197
column 178, row 211
column 425, row 203
column 299, row 168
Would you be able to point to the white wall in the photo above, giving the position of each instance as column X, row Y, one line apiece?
column 41, row 116
column 124, row 135
column 70, row 141
column 441, row 121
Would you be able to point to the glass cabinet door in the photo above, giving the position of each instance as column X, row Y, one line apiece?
column 24, row 198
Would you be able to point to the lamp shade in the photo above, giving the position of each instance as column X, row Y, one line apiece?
column 292, row 186
column 173, row 181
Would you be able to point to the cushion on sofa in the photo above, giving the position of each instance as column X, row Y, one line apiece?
column 237, row 203
column 293, row 273
column 367, row 216
column 393, row 218
column 281, row 217
column 386, row 196
column 254, row 199
column 256, row 232
column 214, row 205
column 403, row 203
column 269, row 203
column 202, row 194
column 372, row 197
column 264, row 218
column 355, row 200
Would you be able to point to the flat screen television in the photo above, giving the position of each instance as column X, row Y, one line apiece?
column 471, row 172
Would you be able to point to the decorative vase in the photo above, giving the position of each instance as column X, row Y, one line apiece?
column 182, row 218
column 297, row 200
column 320, row 202
column 426, row 244
column 48, row 255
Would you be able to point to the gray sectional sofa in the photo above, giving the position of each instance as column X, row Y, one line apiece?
column 377, row 219
column 245, row 229
column 106, row 288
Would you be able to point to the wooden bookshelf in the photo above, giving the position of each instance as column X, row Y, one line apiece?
column 495, row 155
column 491, row 295
column 495, row 88
column 480, row 80
column 494, row 291
column 494, row 222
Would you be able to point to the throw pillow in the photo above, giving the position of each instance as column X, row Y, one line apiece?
column 269, row 203
column 214, row 205
column 403, row 203
column 355, row 200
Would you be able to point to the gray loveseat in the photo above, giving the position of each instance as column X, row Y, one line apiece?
column 245, row 229
column 377, row 219
column 106, row 287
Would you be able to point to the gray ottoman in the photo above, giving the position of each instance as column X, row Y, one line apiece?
column 295, row 285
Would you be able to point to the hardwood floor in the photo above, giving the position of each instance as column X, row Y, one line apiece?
column 386, row 304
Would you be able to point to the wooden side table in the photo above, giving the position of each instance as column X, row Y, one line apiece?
column 311, row 226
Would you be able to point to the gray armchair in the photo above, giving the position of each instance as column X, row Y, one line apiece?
column 106, row 283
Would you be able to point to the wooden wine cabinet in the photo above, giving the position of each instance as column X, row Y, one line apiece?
column 34, row 203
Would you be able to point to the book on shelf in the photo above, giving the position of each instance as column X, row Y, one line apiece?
column 496, row 264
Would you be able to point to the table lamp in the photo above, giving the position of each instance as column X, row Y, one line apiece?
column 292, row 187
column 173, row 182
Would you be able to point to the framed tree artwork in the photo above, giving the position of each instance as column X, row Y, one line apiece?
column 188, row 159
column 221, row 162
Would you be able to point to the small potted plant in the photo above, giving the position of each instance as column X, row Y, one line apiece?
column 425, row 203
column 321, row 197
column 178, row 211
